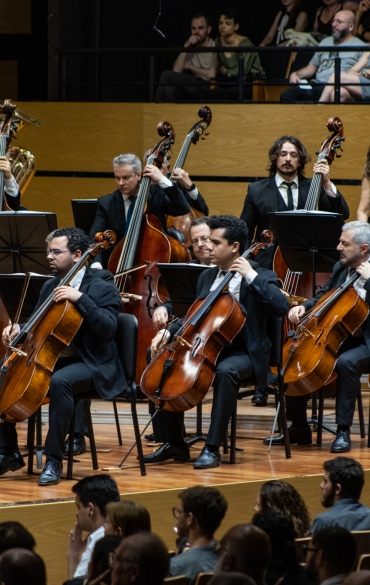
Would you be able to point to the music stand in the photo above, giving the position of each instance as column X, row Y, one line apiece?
column 181, row 282
column 11, row 286
column 308, row 240
column 22, row 241
column 84, row 212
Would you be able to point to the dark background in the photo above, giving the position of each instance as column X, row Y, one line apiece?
column 59, row 25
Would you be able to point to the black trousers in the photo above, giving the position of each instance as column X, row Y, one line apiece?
column 353, row 361
column 233, row 366
column 179, row 86
column 296, row 94
column 69, row 378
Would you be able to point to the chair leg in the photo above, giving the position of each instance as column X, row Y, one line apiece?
column 233, row 434
column 282, row 416
column 39, row 446
column 361, row 419
column 137, row 430
column 320, row 418
column 117, row 422
column 31, row 442
column 71, row 441
column 94, row 457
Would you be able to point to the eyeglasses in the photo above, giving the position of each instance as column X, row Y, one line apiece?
column 53, row 252
column 310, row 549
column 200, row 240
column 176, row 512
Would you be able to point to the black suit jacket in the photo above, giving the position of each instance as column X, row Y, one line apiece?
column 110, row 213
column 259, row 299
column 264, row 197
column 199, row 203
column 13, row 202
column 99, row 305
column 337, row 278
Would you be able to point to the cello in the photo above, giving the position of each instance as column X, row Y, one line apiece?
column 299, row 285
column 25, row 375
column 133, row 261
column 310, row 357
column 196, row 132
column 180, row 376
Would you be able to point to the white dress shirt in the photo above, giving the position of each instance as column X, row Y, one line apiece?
column 283, row 189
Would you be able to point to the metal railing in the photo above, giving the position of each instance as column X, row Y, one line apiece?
column 148, row 82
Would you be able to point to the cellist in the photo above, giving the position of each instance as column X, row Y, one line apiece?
column 258, row 292
column 115, row 210
column 354, row 354
column 89, row 363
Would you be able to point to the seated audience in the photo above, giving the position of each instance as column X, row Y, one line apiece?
column 100, row 562
column 280, row 496
column 15, row 535
column 341, row 487
column 200, row 514
column 125, row 518
column 290, row 16
column 93, row 493
column 19, row 566
column 228, row 61
column 324, row 17
column 141, row 559
column 359, row 74
column 363, row 21
column 331, row 555
column 363, row 210
column 284, row 566
column 245, row 549
column 191, row 72
column 321, row 65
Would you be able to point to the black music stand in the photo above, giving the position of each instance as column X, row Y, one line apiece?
column 181, row 282
column 308, row 242
column 22, row 241
column 11, row 286
column 84, row 212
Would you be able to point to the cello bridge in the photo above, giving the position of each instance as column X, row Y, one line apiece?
column 182, row 341
column 127, row 296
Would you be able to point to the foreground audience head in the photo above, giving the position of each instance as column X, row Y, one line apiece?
column 331, row 552
column 203, row 509
column 234, row 230
column 19, row 566
column 141, row 558
column 101, row 558
column 280, row 496
column 295, row 164
column 93, row 493
column 343, row 478
column 126, row 517
column 358, row 578
column 15, row 535
column 231, row 578
column 245, row 549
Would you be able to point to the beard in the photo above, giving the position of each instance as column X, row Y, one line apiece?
column 340, row 34
column 327, row 500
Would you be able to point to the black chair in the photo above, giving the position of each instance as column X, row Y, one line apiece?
column 275, row 331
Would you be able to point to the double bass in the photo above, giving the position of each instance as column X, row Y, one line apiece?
column 299, row 285
column 25, row 375
column 134, row 259
column 196, row 132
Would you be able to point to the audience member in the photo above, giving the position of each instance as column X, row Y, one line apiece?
column 93, row 493
column 324, row 17
column 245, row 549
column 279, row 496
column 363, row 210
column 363, row 21
column 341, row 487
column 321, row 65
column 125, row 518
column 19, row 566
column 331, row 555
column 141, row 559
column 15, row 535
column 232, row 578
column 191, row 72
column 228, row 62
column 101, row 558
column 358, row 75
column 284, row 566
column 358, row 578
column 200, row 514
column 290, row 16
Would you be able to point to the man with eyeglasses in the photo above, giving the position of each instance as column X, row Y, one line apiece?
column 198, row 516
column 330, row 556
column 89, row 363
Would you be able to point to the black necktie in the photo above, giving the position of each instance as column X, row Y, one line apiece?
column 132, row 198
column 290, row 203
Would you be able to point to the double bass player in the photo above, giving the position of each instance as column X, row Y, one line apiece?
column 258, row 293
column 354, row 354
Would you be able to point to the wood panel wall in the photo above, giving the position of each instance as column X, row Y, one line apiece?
column 85, row 137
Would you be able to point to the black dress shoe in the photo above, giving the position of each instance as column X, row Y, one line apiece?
column 181, row 453
column 297, row 436
column 342, row 442
column 79, row 445
column 51, row 473
column 260, row 397
column 11, row 462
column 207, row 459
column 149, row 437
